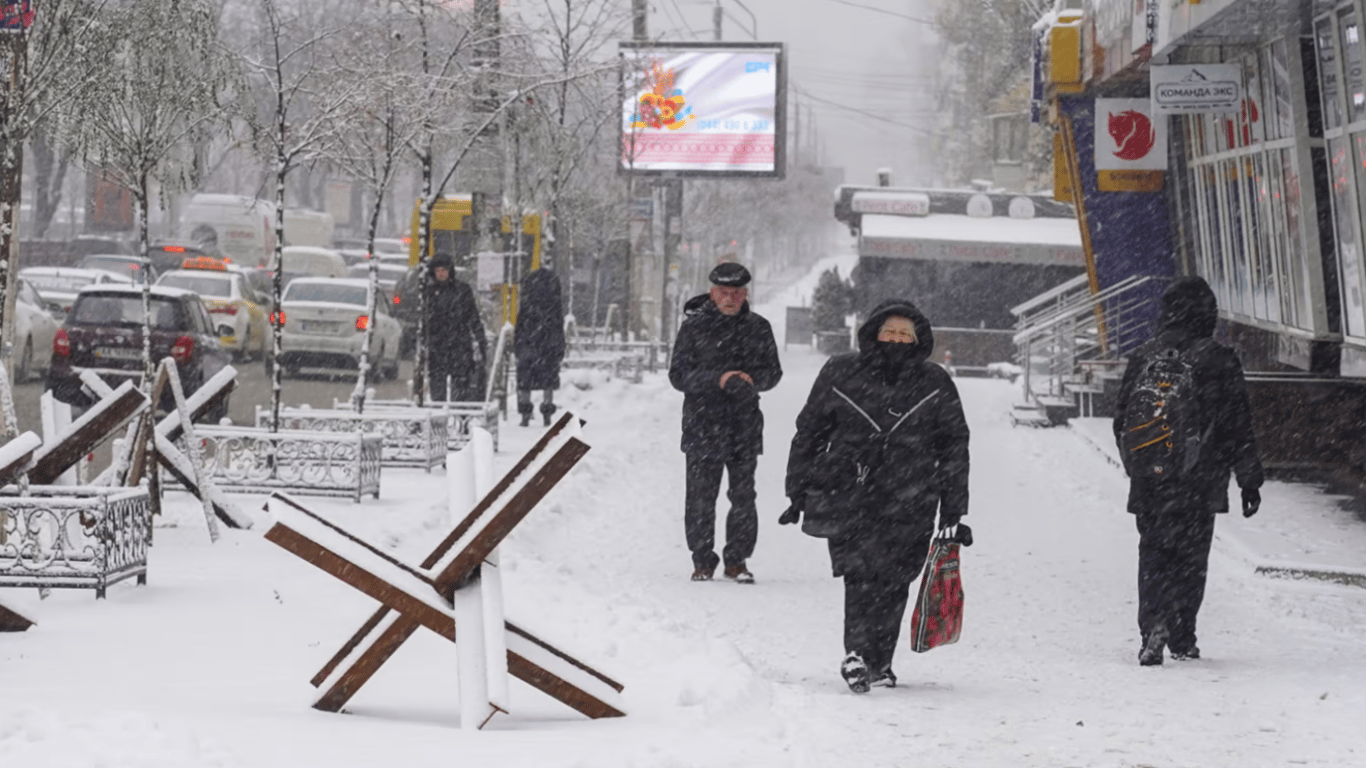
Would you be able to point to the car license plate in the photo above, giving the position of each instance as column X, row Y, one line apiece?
column 319, row 326
column 118, row 353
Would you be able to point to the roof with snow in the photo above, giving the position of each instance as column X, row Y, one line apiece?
column 996, row 239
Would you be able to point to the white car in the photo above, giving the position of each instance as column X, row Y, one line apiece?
column 231, row 301
column 34, row 332
column 324, row 326
column 58, row 286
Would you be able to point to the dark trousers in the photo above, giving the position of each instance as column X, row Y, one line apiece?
column 873, row 610
column 464, row 380
column 699, row 513
column 524, row 400
column 1173, row 560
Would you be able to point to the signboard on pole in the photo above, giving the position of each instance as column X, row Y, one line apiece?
column 1131, row 146
column 1179, row 89
column 703, row 109
column 16, row 15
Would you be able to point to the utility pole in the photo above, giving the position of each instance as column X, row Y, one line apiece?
column 490, row 158
column 640, row 34
column 716, row 14
column 15, row 47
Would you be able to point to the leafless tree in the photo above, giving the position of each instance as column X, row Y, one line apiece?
column 160, row 94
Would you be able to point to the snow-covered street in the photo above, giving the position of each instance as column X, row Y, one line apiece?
column 208, row 665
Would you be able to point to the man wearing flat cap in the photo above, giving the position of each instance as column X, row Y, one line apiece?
column 723, row 358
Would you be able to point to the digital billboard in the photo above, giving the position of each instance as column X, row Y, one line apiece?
column 703, row 109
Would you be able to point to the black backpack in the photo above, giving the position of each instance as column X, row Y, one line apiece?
column 1162, row 433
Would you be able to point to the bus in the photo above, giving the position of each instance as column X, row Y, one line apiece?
column 499, row 271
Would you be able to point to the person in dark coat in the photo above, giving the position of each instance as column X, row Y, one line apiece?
column 723, row 357
column 1175, row 516
column 887, row 414
column 456, row 346
column 539, row 342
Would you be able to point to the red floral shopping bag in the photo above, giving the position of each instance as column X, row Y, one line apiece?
column 938, row 616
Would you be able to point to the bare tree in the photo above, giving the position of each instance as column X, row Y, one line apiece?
column 374, row 133
column 295, row 116
column 48, row 65
column 159, row 95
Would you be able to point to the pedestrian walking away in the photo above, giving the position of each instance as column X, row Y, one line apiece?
column 539, row 342
column 456, row 346
column 883, row 441
column 723, row 357
column 1183, row 424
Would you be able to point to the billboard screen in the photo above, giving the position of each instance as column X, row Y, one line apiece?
column 703, row 109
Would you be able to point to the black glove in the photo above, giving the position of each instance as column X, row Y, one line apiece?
column 792, row 516
column 948, row 521
column 739, row 388
column 1252, row 501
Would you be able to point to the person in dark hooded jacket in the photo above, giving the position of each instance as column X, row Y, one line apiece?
column 1175, row 515
column 539, row 342
column 456, row 346
column 723, row 357
column 887, row 414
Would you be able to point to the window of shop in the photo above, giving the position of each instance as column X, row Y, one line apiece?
column 1337, row 38
column 1247, row 236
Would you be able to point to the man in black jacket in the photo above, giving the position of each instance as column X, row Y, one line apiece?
column 1175, row 515
column 723, row 358
column 456, row 346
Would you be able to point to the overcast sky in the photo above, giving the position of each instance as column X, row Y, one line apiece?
column 846, row 59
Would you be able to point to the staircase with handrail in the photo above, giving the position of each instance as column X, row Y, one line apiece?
column 1072, row 345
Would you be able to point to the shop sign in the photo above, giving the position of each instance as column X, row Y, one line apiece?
column 1190, row 88
column 1130, row 144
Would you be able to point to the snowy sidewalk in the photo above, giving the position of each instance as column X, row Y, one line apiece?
column 1300, row 532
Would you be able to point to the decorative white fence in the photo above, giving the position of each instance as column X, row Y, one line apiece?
column 74, row 536
column 412, row 437
column 305, row 462
column 459, row 417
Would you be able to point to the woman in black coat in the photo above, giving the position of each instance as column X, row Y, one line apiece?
column 886, row 415
column 456, row 346
column 539, row 343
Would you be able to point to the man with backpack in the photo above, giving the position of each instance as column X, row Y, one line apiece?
column 1183, row 423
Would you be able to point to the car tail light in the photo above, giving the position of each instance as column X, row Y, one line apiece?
column 277, row 315
column 362, row 322
column 397, row 299
column 61, row 344
column 224, row 309
column 183, row 349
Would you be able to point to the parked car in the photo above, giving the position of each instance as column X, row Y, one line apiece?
column 232, row 302
column 324, row 324
column 58, row 286
column 136, row 268
column 103, row 333
column 34, row 331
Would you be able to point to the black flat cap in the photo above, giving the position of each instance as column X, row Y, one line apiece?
column 730, row 274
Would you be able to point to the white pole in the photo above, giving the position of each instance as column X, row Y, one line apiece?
column 468, row 603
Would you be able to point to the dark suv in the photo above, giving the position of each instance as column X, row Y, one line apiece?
column 103, row 333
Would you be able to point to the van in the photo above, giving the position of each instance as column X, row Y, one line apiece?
column 303, row 227
column 310, row 261
column 235, row 227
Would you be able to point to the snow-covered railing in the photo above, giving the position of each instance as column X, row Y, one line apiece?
column 74, row 537
column 309, row 463
column 460, row 417
column 413, row 437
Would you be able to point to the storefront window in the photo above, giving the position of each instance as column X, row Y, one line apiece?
column 1282, row 124
column 1217, row 273
column 1236, row 236
column 1328, row 73
column 1251, row 115
column 1299, row 272
column 1259, row 241
column 1340, row 170
column 1351, row 63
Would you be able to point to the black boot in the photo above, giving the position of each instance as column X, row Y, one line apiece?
column 547, row 411
column 525, row 410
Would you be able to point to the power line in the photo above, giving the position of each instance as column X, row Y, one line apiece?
column 883, row 10
column 871, row 115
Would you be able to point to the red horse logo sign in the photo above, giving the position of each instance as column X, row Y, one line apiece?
column 1133, row 134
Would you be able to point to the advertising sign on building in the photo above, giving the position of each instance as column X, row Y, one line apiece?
column 703, row 109
column 1131, row 146
column 1189, row 88
column 15, row 15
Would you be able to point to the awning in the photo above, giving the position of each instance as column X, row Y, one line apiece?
column 994, row 240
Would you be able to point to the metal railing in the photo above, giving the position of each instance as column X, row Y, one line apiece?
column 1069, row 329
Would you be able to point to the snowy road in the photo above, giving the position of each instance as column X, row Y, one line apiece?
column 208, row 665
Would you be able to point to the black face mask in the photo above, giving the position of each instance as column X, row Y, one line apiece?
column 894, row 356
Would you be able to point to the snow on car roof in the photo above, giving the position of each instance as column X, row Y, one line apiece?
column 950, row 237
column 136, row 290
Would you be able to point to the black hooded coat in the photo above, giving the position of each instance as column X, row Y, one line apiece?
column 1188, row 318
column 456, row 344
column 540, row 331
column 920, row 462
column 722, row 422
